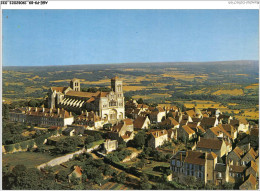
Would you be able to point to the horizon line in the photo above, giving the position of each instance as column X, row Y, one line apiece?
column 128, row 63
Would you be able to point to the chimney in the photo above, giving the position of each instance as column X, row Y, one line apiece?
column 81, row 111
column 58, row 110
column 43, row 109
column 70, row 114
column 36, row 108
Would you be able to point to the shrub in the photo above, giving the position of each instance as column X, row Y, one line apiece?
column 17, row 146
column 24, row 144
column 9, row 148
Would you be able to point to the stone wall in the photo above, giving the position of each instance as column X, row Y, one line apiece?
column 65, row 158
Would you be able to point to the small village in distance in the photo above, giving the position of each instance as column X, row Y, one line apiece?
column 101, row 140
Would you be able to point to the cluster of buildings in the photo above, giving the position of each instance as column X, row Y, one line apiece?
column 214, row 155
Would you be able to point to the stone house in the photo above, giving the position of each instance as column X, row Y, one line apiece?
column 213, row 112
column 187, row 132
column 235, row 156
column 241, row 125
column 109, row 146
column 224, row 119
column 124, row 130
column 212, row 145
column 221, row 174
column 157, row 115
column 41, row 116
column 249, row 156
column 194, row 163
column 218, row 132
column 232, row 131
column 172, row 134
column 141, row 123
column 171, row 122
column 208, row 122
column 195, row 126
column 236, row 173
column 249, row 184
column 142, row 107
column 89, row 119
column 157, row 138
column 252, row 169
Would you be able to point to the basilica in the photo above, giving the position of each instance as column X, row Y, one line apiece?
column 109, row 106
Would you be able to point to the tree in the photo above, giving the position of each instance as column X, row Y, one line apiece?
column 69, row 144
column 121, row 177
column 139, row 139
column 88, row 140
column 144, row 183
column 34, row 103
column 140, row 101
column 141, row 163
column 97, row 136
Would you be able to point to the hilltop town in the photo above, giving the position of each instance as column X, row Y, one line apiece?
column 99, row 139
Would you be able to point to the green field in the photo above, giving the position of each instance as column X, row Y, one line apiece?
column 29, row 159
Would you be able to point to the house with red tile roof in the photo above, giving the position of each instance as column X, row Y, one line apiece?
column 89, row 119
column 218, row 132
column 157, row 138
column 77, row 173
column 187, row 132
column 41, row 116
column 124, row 130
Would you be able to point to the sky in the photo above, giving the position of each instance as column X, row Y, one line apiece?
column 73, row 37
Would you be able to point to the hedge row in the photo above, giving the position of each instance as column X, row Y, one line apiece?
column 29, row 143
